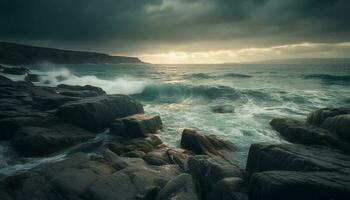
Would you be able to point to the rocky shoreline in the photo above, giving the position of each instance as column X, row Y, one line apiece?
column 135, row 164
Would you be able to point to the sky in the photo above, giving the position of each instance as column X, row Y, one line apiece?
column 183, row 31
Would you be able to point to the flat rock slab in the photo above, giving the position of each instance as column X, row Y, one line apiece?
column 96, row 113
column 285, row 171
column 139, row 125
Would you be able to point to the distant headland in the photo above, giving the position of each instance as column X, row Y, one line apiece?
column 18, row 54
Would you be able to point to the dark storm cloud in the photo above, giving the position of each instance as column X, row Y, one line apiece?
column 180, row 21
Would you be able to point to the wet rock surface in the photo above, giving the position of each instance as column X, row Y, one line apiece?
column 134, row 126
column 287, row 171
column 203, row 143
column 35, row 119
column 96, row 113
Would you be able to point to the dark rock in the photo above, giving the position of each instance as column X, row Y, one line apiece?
column 232, row 188
column 179, row 157
column 26, row 186
column 181, row 187
column 207, row 171
column 39, row 141
column 340, row 125
column 317, row 117
column 83, row 178
column 299, row 132
column 285, row 171
column 116, row 187
column 98, row 90
column 134, row 126
column 203, row 143
column 115, row 161
column 157, row 157
column 15, row 70
column 303, row 133
column 223, row 109
column 134, row 154
column 32, row 78
column 150, row 193
column 96, row 113
column 276, row 185
column 79, row 91
column 145, row 145
column 9, row 126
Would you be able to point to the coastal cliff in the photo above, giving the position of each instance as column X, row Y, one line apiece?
column 17, row 54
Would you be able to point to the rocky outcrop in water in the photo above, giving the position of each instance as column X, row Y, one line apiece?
column 203, row 143
column 318, row 167
column 329, row 127
column 37, row 119
column 287, row 171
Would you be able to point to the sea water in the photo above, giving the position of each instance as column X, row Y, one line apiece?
column 183, row 95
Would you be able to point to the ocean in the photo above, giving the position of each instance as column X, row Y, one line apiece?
column 183, row 95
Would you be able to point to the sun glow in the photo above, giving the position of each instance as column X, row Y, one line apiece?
column 300, row 50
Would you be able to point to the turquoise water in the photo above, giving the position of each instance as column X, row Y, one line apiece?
column 184, row 94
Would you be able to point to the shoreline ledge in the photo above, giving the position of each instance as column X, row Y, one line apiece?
column 134, row 163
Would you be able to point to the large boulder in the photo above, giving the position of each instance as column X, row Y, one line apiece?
column 39, row 141
column 285, row 171
column 139, row 125
column 96, row 113
column 340, row 125
column 300, row 132
column 318, row 116
column 207, row 171
column 204, row 144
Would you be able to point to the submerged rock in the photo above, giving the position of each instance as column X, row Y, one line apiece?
column 285, row 171
column 204, row 144
column 96, row 113
column 134, row 126
column 223, row 109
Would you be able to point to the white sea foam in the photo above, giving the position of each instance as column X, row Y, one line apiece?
column 116, row 85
